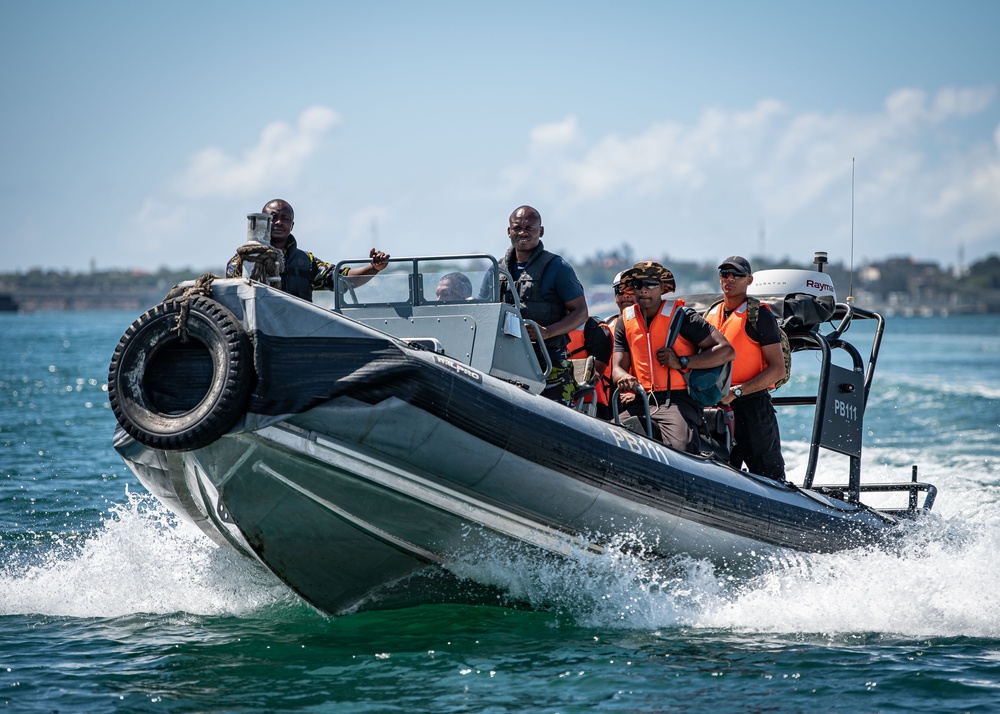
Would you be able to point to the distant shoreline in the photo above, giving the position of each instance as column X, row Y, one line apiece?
column 897, row 286
column 140, row 300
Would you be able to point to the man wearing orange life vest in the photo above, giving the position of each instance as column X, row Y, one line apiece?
column 624, row 296
column 640, row 345
column 593, row 339
column 758, row 365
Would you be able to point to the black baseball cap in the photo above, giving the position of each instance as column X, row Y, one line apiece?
column 737, row 262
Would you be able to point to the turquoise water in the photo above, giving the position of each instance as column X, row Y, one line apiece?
column 108, row 603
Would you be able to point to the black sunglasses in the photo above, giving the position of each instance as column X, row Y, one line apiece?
column 731, row 274
column 648, row 283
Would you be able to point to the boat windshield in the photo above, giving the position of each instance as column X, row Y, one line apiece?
column 422, row 281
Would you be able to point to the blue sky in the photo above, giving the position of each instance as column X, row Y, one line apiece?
column 139, row 135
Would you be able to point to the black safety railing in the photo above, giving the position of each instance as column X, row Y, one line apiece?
column 839, row 409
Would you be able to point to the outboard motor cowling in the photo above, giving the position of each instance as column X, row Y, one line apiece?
column 799, row 298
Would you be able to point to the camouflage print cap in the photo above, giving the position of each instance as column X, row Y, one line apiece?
column 651, row 269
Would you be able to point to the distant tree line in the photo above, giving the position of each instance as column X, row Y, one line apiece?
column 897, row 278
column 884, row 282
column 64, row 280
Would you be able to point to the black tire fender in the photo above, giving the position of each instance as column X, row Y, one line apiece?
column 178, row 395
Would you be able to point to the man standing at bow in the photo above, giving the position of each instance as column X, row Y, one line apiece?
column 303, row 272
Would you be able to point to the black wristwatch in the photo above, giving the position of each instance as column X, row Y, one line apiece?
column 684, row 362
column 737, row 392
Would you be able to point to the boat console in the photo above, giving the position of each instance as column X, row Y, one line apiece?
column 451, row 305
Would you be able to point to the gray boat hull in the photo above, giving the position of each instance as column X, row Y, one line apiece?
column 365, row 467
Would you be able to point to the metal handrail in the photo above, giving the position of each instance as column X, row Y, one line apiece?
column 641, row 394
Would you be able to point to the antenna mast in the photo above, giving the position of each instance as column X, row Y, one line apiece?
column 850, row 290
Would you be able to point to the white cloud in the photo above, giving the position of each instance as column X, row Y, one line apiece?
column 199, row 212
column 960, row 102
column 667, row 154
column 921, row 185
column 278, row 156
column 904, row 107
column 970, row 197
column 907, row 107
column 927, row 177
column 556, row 135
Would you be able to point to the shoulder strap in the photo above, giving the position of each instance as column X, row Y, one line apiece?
column 539, row 261
column 542, row 259
column 676, row 322
column 753, row 308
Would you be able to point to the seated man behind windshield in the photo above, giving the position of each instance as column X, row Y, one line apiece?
column 454, row 286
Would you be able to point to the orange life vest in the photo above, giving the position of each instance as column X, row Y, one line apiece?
column 749, row 360
column 643, row 344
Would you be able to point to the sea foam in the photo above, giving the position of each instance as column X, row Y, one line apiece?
column 141, row 560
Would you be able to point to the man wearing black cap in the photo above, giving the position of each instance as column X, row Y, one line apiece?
column 641, row 356
column 753, row 332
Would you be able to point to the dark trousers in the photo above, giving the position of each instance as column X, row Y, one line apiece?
column 676, row 425
column 758, row 443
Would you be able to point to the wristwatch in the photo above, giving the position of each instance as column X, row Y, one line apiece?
column 684, row 362
column 737, row 392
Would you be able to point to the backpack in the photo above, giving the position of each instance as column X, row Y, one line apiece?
column 597, row 341
column 708, row 386
column 753, row 308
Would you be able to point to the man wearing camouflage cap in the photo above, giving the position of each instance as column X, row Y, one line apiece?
column 640, row 347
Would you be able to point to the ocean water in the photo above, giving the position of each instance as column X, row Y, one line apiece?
column 108, row 603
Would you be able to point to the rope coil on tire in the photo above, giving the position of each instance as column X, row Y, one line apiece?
column 203, row 287
column 268, row 261
column 182, row 373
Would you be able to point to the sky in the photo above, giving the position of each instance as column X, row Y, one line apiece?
column 140, row 135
